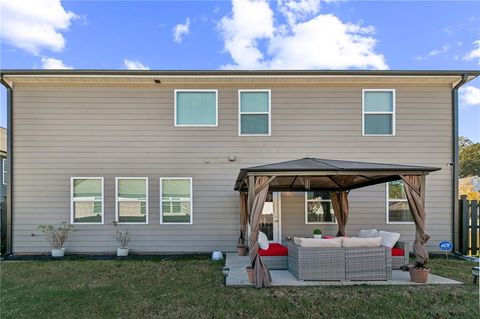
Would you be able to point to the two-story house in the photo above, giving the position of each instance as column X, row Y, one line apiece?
column 159, row 152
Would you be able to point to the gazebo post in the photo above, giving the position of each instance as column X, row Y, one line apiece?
column 423, row 189
column 251, row 192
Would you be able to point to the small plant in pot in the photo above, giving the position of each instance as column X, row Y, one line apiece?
column 123, row 238
column 419, row 273
column 317, row 233
column 56, row 236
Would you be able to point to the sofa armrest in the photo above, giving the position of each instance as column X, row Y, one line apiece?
column 405, row 245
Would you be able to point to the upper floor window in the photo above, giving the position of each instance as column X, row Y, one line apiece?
column 254, row 108
column 397, row 204
column 86, row 200
column 378, row 112
column 176, row 200
column 131, row 195
column 196, row 108
column 318, row 208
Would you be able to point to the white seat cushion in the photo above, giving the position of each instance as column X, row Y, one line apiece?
column 361, row 242
column 326, row 243
column 389, row 239
column 368, row 233
column 263, row 240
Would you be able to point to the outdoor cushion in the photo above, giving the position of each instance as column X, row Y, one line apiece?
column 361, row 242
column 398, row 251
column 389, row 239
column 274, row 249
column 263, row 240
column 327, row 237
column 313, row 242
column 368, row 233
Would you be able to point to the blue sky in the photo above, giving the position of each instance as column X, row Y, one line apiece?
column 302, row 34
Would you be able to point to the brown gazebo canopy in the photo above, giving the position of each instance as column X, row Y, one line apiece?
column 339, row 177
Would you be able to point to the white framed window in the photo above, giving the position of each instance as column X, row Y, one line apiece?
column 176, row 204
column 4, row 171
column 86, row 200
column 378, row 112
column 131, row 200
column 318, row 208
column 196, row 108
column 398, row 211
column 254, row 108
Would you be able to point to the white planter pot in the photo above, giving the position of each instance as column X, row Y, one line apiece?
column 317, row 236
column 217, row 255
column 58, row 253
column 122, row 252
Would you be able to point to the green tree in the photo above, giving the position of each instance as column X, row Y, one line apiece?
column 469, row 155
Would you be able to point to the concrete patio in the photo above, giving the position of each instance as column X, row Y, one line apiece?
column 238, row 277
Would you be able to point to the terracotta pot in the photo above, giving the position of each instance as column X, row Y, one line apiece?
column 242, row 250
column 419, row 275
column 249, row 270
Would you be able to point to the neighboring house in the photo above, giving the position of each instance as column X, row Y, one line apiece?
column 159, row 152
column 3, row 186
column 474, row 181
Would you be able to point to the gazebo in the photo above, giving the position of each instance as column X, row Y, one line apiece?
column 335, row 176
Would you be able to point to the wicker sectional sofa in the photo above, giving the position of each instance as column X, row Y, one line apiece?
column 337, row 264
column 404, row 259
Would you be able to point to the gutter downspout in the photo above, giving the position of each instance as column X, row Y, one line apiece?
column 455, row 160
column 9, row 165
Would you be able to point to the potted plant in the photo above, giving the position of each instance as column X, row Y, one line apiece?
column 241, row 247
column 419, row 273
column 249, row 270
column 317, row 233
column 123, row 238
column 56, row 236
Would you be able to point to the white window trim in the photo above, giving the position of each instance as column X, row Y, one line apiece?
column 72, row 217
column 388, row 206
column 116, row 201
column 306, row 211
column 392, row 113
column 195, row 125
column 269, row 113
column 191, row 201
column 4, row 171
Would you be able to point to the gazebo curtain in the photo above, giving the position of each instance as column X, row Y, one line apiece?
column 261, row 274
column 340, row 208
column 413, row 190
column 243, row 218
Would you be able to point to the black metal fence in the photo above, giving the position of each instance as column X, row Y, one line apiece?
column 469, row 227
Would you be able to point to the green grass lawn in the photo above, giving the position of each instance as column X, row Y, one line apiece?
column 192, row 288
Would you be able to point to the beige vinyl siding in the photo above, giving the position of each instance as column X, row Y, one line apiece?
column 119, row 131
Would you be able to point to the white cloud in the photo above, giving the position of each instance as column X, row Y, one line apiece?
column 180, row 30
column 308, row 41
column 447, row 47
column 251, row 21
column 51, row 63
column 475, row 53
column 294, row 10
column 134, row 65
column 34, row 25
column 470, row 95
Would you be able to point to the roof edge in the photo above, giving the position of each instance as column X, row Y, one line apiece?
column 99, row 72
